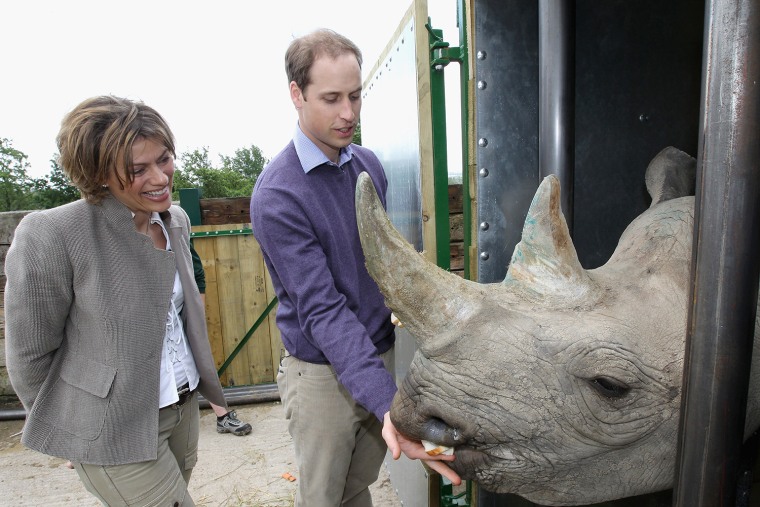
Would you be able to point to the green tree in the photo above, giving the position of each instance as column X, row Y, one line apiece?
column 247, row 161
column 357, row 137
column 54, row 189
column 234, row 179
column 15, row 184
column 189, row 163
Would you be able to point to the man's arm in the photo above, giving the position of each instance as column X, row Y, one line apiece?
column 298, row 260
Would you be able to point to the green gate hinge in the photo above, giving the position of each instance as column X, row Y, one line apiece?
column 211, row 234
column 449, row 499
column 441, row 54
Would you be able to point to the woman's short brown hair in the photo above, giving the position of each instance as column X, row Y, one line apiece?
column 303, row 52
column 96, row 138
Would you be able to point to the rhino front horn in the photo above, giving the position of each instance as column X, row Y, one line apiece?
column 544, row 263
column 427, row 299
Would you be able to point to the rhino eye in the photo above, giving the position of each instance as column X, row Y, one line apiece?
column 609, row 388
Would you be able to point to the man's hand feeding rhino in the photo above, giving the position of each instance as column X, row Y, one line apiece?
column 559, row 384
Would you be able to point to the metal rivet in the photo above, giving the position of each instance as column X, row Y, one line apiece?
column 484, row 226
column 484, row 172
column 481, row 55
column 481, row 85
column 439, row 67
column 484, row 256
column 482, row 142
column 643, row 118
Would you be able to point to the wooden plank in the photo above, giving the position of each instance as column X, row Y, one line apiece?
column 456, row 228
column 455, row 198
column 253, row 292
column 205, row 249
column 219, row 211
column 231, row 308
column 424, row 118
column 457, row 256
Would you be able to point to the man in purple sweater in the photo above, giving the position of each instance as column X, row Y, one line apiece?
column 334, row 382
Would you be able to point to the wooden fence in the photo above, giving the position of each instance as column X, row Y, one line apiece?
column 238, row 292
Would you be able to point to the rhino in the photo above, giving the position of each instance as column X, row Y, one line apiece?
column 559, row 384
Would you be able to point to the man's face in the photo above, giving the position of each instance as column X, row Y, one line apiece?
column 329, row 107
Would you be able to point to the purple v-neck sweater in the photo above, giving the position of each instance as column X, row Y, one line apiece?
column 330, row 310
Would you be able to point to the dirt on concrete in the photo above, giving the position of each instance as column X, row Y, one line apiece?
column 231, row 471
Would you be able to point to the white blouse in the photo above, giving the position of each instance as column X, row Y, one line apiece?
column 177, row 362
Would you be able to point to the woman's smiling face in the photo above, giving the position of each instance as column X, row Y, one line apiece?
column 152, row 171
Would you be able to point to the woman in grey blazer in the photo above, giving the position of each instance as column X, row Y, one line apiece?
column 106, row 342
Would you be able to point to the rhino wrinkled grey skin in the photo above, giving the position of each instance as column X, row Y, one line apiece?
column 559, row 384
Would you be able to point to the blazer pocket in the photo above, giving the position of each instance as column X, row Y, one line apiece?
column 79, row 400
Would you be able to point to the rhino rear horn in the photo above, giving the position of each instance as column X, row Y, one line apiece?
column 427, row 299
column 671, row 174
column 544, row 262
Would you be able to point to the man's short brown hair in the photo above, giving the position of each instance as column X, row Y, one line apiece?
column 304, row 51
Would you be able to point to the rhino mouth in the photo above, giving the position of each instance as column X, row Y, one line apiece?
column 469, row 460
column 437, row 431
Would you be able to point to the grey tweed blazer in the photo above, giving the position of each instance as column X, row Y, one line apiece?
column 86, row 301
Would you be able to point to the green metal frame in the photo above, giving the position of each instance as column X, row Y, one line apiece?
column 441, row 54
column 439, row 58
column 449, row 499
column 226, row 232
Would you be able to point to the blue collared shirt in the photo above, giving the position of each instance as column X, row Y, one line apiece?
column 311, row 156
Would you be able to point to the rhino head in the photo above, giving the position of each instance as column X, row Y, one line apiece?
column 559, row 384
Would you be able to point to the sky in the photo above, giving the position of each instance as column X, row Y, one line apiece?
column 214, row 70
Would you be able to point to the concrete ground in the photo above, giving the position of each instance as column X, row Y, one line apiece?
column 231, row 472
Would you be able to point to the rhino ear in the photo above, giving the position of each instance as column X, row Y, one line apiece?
column 671, row 174
column 544, row 262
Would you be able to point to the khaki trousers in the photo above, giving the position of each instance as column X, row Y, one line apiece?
column 338, row 444
column 162, row 482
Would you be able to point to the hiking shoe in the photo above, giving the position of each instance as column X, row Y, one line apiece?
column 231, row 424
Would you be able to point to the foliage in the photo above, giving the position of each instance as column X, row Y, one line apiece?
column 246, row 161
column 54, row 189
column 18, row 191
column 15, row 183
column 357, row 137
column 235, row 178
